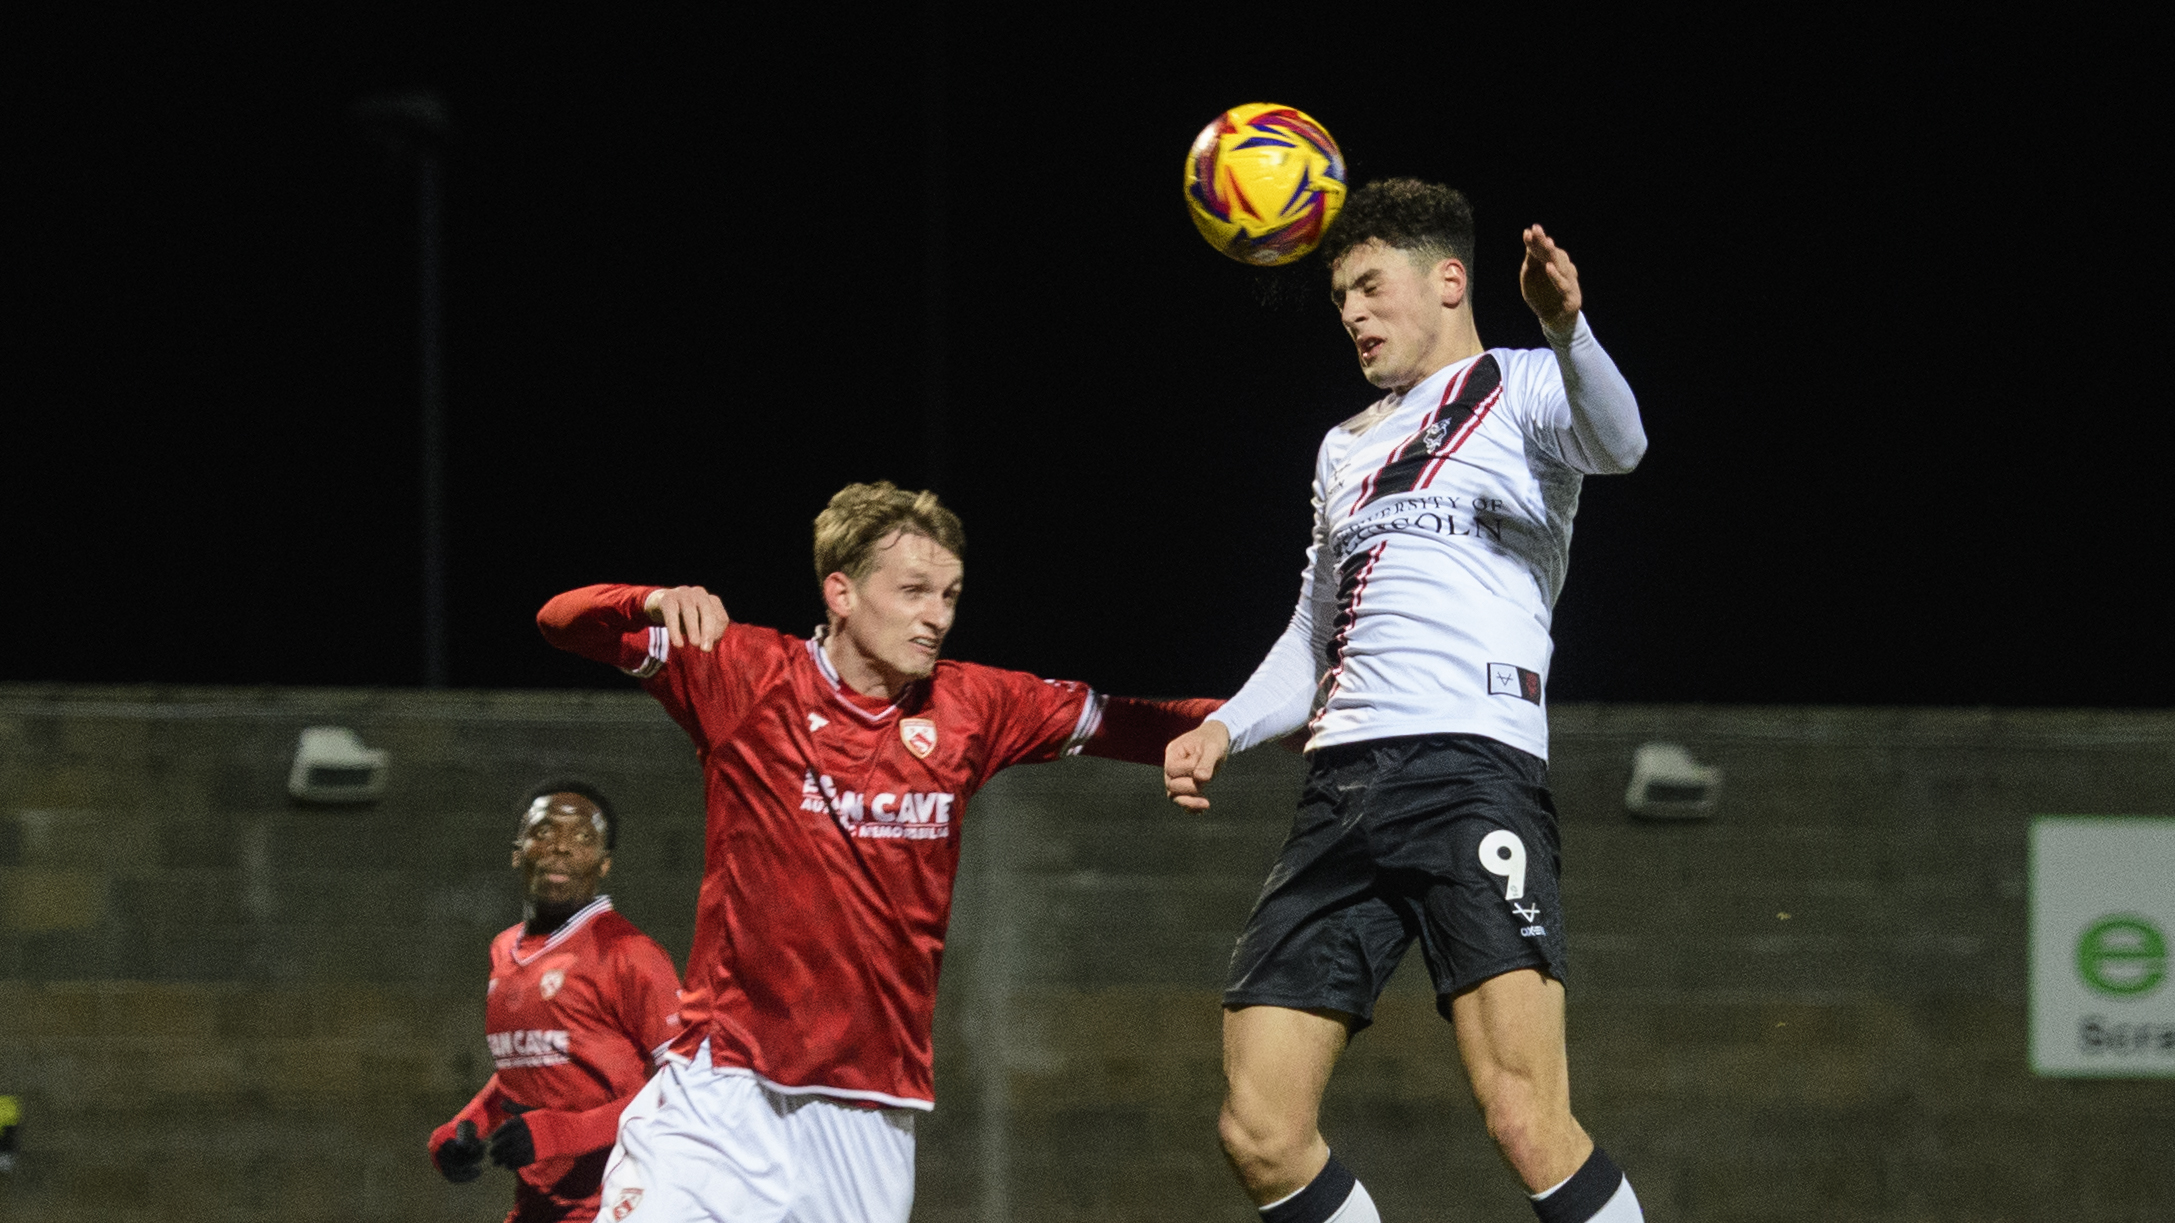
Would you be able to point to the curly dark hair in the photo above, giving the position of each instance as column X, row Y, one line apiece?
column 1426, row 219
column 575, row 785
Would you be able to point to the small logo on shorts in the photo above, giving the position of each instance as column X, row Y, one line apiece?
column 1528, row 912
column 1509, row 679
column 628, row 1200
column 919, row 735
column 1533, row 931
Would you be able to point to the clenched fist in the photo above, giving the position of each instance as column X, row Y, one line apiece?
column 1191, row 760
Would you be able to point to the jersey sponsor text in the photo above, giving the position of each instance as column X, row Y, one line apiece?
column 914, row 815
column 528, row 1047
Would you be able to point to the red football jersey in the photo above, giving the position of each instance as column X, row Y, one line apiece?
column 575, row 1020
column 834, row 834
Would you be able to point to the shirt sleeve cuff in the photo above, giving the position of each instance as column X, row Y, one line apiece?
column 660, row 649
column 1568, row 336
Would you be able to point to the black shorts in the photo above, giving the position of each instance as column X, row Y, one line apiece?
column 1448, row 839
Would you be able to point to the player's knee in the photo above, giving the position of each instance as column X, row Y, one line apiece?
column 1260, row 1143
column 1514, row 1129
column 1525, row 1126
column 1242, row 1138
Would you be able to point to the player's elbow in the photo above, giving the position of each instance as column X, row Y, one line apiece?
column 1619, row 455
column 550, row 623
column 558, row 617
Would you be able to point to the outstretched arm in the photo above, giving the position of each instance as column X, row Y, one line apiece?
column 1137, row 730
column 1277, row 700
column 611, row 624
column 1605, row 435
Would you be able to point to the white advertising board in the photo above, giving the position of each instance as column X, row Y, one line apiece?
column 2102, row 926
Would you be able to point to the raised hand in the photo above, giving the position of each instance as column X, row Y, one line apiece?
column 689, row 614
column 1548, row 280
column 1191, row 760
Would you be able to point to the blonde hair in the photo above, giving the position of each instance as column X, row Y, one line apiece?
column 862, row 516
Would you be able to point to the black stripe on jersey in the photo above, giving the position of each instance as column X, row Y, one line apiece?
column 1445, row 425
column 1351, row 582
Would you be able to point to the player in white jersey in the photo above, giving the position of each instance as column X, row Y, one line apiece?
column 1418, row 661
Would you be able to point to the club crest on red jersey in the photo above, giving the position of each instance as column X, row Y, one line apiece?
column 919, row 736
column 551, row 982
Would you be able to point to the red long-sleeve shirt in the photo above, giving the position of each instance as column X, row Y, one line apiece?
column 833, row 832
column 573, row 1020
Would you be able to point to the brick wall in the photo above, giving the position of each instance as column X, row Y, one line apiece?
column 216, row 1005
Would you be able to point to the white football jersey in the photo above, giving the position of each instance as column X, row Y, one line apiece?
column 1442, row 533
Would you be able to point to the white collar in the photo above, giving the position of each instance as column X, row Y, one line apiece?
column 838, row 686
column 602, row 904
column 1432, row 390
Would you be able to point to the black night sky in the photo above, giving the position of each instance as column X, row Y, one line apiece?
column 1891, row 290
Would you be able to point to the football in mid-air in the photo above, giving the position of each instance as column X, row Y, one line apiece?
column 1262, row 182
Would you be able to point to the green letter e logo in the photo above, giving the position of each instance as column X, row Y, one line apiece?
column 2124, row 955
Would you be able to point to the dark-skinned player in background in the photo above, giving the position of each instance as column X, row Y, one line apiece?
column 837, row 769
column 580, row 1004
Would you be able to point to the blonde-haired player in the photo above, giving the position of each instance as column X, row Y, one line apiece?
column 837, row 769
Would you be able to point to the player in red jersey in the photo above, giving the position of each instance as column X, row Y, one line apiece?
column 580, row 1004
column 837, row 770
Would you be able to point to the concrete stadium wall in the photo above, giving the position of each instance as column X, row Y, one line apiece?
column 218, row 1005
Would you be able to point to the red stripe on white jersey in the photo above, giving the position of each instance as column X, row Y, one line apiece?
column 1458, row 439
column 1449, row 392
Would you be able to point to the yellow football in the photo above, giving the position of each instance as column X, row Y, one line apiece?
column 1262, row 183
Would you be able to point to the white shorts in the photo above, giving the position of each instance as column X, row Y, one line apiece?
column 704, row 1145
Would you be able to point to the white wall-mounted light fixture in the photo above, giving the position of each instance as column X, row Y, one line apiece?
column 333, row 766
column 1667, row 784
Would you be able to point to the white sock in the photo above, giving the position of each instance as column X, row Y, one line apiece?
column 1359, row 1208
column 1623, row 1207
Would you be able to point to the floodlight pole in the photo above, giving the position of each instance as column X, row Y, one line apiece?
column 936, row 422
column 412, row 125
column 430, row 312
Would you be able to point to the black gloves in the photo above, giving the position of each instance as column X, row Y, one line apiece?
column 512, row 1146
column 460, row 1158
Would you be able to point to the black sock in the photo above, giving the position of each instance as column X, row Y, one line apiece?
column 1319, row 1200
column 1582, row 1197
